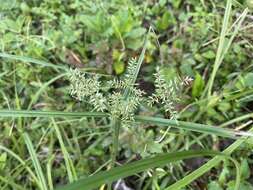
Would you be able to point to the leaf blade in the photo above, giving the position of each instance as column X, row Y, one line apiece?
column 133, row 168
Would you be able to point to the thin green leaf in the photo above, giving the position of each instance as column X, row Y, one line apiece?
column 49, row 172
column 22, row 162
column 215, row 161
column 54, row 114
column 43, row 87
column 188, row 179
column 10, row 181
column 223, row 47
column 68, row 162
column 117, row 31
column 133, row 168
column 35, row 161
column 32, row 60
column 139, row 63
column 206, row 167
column 201, row 128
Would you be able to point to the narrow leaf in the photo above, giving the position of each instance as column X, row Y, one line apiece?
column 54, row 114
column 35, row 162
column 31, row 60
column 197, row 127
column 208, row 166
column 133, row 168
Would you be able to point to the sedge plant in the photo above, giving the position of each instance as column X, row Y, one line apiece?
column 119, row 101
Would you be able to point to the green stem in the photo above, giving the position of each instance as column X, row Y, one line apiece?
column 48, row 114
column 223, row 46
column 115, row 148
column 117, row 124
column 197, row 127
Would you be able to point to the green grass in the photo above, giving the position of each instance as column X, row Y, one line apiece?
column 68, row 162
column 32, row 60
column 206, row 167
column 51, row 141
column 36, row 163
column 135, row 167
column 201, row 128
column 224, row 43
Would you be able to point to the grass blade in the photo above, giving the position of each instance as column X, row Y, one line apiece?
column 115, row 148
column 10, row 181
column 197, row 127
column 43, row 87
column 223, row 47
column 21, row 161
column 49, row 172
column 201, row 128
column 207, row 166
column 139, row 63
column 35, row 162
column 133, row 168
column 32, row 60
column 68, row 162
column 53, row 114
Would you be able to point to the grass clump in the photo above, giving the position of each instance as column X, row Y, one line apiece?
column 192, row 91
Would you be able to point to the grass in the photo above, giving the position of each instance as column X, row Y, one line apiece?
column 201, row 128
column 224, row 43
column 32, row 60
column 68, row 162
column 206, row 167
column 36, row 163
column 136, row 167
column 22, row 162
column 69, row 149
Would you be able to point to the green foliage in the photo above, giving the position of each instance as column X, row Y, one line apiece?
column 214, row 186
column 250, row 4
column 3, row 158
column 245, row 169
column 198, row 86
column 135, row 167
column 41, row 39
column 166, row 21
column 243, row 186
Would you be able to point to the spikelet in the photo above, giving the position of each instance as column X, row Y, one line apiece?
column 123, row 109
column 99, row 102
column 167, row 92
column 187, row 81
column 116, row 84
column 85, row 87
column 131, row 68
column 82, row 86
column 109, row 97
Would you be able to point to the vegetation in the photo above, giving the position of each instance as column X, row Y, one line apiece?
column 126, row 94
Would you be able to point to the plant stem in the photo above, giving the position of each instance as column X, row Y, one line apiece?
column 223, row 45
column 191, row 126
column 224, row 132
column 117, row 124
column 116, row 128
